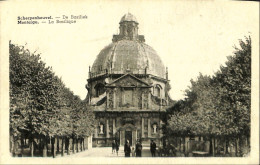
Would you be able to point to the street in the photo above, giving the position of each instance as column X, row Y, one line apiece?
column 107, row 152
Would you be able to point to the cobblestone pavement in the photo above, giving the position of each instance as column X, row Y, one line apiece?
column 107, row 152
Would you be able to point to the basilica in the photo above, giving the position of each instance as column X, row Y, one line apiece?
column 128, row 89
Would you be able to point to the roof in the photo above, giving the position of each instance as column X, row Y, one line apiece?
column 124, row 55
column 128, row 17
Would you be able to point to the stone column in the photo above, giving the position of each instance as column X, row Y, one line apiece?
column 122, row 138
column 96, row 132
column 142, row 100
column 142, row 127
column 107, row 102
column 107, row 128
column 149, row 99
column 149, row 127
column 114, row 127
column 114, row 98
column 123, row 96
column 134, row 137
column 160, row 131
column 134, row 101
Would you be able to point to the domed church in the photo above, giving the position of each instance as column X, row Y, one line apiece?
column 128, row 89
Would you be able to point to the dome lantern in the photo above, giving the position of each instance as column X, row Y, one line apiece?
column 128, row 29
column 128, row 18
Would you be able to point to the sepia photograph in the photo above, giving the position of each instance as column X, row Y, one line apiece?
column 129, row 82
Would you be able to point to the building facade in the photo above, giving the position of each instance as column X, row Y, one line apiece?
column 128, row 89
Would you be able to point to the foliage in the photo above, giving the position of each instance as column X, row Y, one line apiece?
column 40, row 104
column 217, row 105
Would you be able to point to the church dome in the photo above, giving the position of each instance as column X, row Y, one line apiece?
column 123, row 55
column 128, row 53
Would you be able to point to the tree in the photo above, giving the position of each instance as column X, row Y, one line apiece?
column 218, row 105
column 40, row 104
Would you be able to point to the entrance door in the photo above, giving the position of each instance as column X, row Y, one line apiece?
column 128, row 136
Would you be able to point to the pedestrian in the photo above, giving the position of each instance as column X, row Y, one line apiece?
column 138, row 149
column 153, row 148
column 117, row 147
column 113, row 146
column 133, row 152
column 127, row 149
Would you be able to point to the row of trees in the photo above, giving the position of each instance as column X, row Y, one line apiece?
column 42, row 109
column 217, row 106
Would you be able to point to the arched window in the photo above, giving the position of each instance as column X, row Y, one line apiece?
column 154, row 126
column 157, row 90
column 100, row 89
column 101, row 128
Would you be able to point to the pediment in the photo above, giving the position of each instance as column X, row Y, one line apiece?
column 128, row 80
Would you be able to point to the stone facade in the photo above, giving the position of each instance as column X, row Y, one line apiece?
column 126, row 125
column 128, row 89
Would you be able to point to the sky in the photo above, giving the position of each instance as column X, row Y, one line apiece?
column 189, row 36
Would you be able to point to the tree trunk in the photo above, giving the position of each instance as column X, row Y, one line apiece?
column 12, row 145
column 227, row 144
column 15, row 146
column 45, row 147
column 58, row 144
column 214, row 146
column 83, row 144
column 22, row 145
column 32, row 147
column 241, row 145
column 184, row 144
column 73, row 145
column 80, row 142
column 211, row 146
column 212, row 139
column 246, row 144
column 54, row 146
column 68, row 149
column 77, row 144
column 180, row 149
column 224, row 145
column 237, row 145
column 217, row 145
column 62, row 146
column 40, row 145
